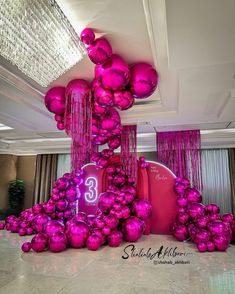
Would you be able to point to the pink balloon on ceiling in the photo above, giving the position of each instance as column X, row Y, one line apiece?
column 79, row 87
column 144, row 80
column 99, row 51
column 55, row 100
column 123, row 99
column 87, row 36
column 114, row 73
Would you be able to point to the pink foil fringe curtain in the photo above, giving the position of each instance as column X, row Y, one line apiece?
column 78, row 125
column 128, row 151
column 181, row 152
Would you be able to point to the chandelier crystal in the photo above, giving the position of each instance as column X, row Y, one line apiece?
column 36, row 36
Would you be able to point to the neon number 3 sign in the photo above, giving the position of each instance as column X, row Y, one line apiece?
column 91, row 188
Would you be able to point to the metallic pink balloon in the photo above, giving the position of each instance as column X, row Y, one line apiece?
column 193, row 195
column 14, row 226
column 59, row 117
column 217, row 227
column 202, row 221
column 80, row 216
column 114, row 143
column 123, row 100
column 115, row 239
column 114, row 73
column 99, row 234
column 62, row 204
column 93, row 242
column 99, row 110
column 144, row 80
column 26, row 247
column 40, row 221
column 202, row 247
column 210, row 246
column 212, row 208
column 72, row 193
column 39, row 242
column 78, row 87
column 106, row 231
column 182, row 217
column 132, row 229
column 142, row 209
column 55, row 100
column 181, row 202
column 77, row 234
column 183, row 181
column 103, row 97
column 22, row 232
column 99, row 222
column 179, row 189
column 111, row 221
column 87, row 36
column 202, row 236
column 57, row 242
column 29, row 231
column 49, row 208
column 106, row 201
column 119, row 180
column 99, row 51
column 2, row 226
column 221, row 242
column 37, row 208
column 62, row 183
column 125, row 212
column 196, row 209
column 60, row 126
column 228, row 217
column 54, row 226
column 181, row 232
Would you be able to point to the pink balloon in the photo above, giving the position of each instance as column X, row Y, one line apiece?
column 180, row 189
column 71, row 193
column 77, row 234
column 93, row 242
column 40, row 221
column 125, row 212
column 142, row 209
column 202, row 247
column 228, row 217
column 106, row 231
column 55, row 100
column 132, row 229
column 37, row 208
column 62, row 183
column 111, row 221
column 196, row 210
column 123, row 99
column 22, row 232
column 57, row 242
column 212, row 208
column 39, row 242
column 119, row 180
column 99, row 51
column 221, row 242
column 217, row 227
column 87, row 36
column 210, row 246
column 202, row 236
column 53, row 226
column 115, row 239
column 182, row 218
column 181, row 202
column 114, row 143
column 60, row 126
column 26, row 247
column 62, row 204
column 193, row 195
column 103, row 96
column 99, row 222
column 202, row 221
column 144, row 79
column 181, row 232
column 29, row 231
column 49, row 208
column 99, row 110
column 106, row 201
column 2, row 226
column 59, row 117
column 114, row 73
column 80, row 216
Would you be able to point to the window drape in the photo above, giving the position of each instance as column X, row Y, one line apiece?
column 64, row 164
column 216, row 178
column 45, row 176
column 231, row 155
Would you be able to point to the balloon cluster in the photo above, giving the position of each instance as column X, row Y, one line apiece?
column 201, row 223
column 142, row 162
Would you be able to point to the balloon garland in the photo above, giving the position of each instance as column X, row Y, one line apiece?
column 121, row 215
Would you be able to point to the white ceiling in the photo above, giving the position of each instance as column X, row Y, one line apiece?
column 192, row 45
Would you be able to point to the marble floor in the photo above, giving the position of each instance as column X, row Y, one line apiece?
column 164, row 270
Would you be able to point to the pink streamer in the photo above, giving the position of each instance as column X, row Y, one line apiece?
column 78, row 125
column 181, row 152
column 128, row 151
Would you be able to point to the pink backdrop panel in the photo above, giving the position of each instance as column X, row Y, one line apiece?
column 156, row 184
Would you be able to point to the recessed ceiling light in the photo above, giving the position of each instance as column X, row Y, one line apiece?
column 4, row 127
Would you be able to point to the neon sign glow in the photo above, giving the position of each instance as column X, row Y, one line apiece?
column 92, row 193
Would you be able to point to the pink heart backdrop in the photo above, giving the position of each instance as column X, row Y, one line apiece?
column 88, row 113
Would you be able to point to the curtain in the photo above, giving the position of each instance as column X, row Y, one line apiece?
column 231, row 156
column 64, row 165
column 216, row 178
column 181, row 152
column 45, row 176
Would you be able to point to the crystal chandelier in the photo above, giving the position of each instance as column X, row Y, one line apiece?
column 36, row 36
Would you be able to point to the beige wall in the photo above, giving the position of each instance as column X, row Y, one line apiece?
column 8, row 165
column 17, row 167
column 26, row 171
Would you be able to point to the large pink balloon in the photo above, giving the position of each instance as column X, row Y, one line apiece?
column 114, row 74
column 99, row 51
column 79, row 88
column 106, row 201
column 142, row 209
column 53, row 226
column 57, row 242
column 77, row 234
column 123, row 99
column 55, row 100
column 132, row 229
column 196, row 210
column 144, row 79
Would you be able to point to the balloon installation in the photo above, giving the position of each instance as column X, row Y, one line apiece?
column 88, row 113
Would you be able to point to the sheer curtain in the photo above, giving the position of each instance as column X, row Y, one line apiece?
column 216, row 178
column 64, row 164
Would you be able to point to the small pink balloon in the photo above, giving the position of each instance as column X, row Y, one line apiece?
column 181, row 202
column 210, row 246
column 125, row 212
column 123, row 100
column 61, row 204
column 202, row 236
column 72, row 193
column 114, row 143
column 93, row 242
column 115, row 239
column 99, row 110
column 180, row 189
column 26, row 247
column 228, row 217
column 62, row 183
column 2, row 226
column 106, row 231
column 60, row 126
column 182, row 217
column 202, row 247
column 59, row 117
column 202, row 221
column 111, row 222
column 142, row 209
column 22, row 232
column 29, row 231
column 99, row 51
column 212, row 208
column 103, row 96
column 55, row 100
column 113, row 73
column 87, row 36
column 144, row 80
column 181, row 232
column 193, row 195
column 196, row 210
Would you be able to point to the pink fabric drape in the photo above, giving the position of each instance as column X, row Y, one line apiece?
column 128, row 151
column 181, row 152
